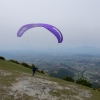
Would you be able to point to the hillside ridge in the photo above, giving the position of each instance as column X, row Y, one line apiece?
column 17, row 83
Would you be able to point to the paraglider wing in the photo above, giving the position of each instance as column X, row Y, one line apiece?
column 51, row 28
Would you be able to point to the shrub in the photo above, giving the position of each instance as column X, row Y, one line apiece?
column 42, row 72
column 94, row 89
column 14, row 61
column 2, row 58
column 25, row 65
column 83, row 82
column 68, row 78
column 98, row 89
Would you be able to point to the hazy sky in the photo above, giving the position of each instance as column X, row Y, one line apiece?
column 78, row 20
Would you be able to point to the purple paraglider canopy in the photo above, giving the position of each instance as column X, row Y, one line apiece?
column 51, row 28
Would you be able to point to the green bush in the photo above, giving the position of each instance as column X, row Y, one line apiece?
column 25, row 65
column 14, row 61
column 98, row 89
column 42, row 72
column 2, row 58
column 83, row 82
column 68, row 78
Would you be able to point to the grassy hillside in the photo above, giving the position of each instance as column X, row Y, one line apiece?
column 17, row 83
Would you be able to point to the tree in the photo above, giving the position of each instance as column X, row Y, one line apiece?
column 2, row 58
column 68, row 78
column 83, row 82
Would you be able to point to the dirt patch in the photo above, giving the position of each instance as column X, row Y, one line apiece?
column 35, row 87
column 5, row 73
column 81, row 93
column 42, row 88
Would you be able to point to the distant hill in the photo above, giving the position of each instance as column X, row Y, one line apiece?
column 61, row 52
column 84, row 50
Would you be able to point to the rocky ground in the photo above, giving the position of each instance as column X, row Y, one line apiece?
column 40, row 87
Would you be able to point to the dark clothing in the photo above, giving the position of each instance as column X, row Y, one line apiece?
column 34, row 69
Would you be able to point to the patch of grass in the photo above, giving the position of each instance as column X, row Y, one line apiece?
column 65, row 92
column 9, row 66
